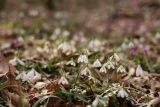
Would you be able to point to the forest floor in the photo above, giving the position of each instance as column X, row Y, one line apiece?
column 105, row 57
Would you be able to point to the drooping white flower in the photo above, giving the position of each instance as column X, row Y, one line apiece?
column 94, row 44
column 30, row 76
column 130, row 45
column 121, row 69
column 139, row 71
column 98, row 100
column 66, row 47
column 122, row 93
column 82, row 59
column 71, row 62
column 103, row 69
column 63, row 81
column 110, row 65
column 116, row 56
column 95, row 102
column 16, row 61
column 85, row 72
column 97, row 64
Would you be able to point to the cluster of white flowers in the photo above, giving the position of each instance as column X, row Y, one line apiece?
column 95, row 44
column 82, row 59
column 66, row 48
column 127, row 45
column 59, row 32
column 31, row 76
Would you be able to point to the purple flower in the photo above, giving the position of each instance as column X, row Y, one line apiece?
column 14, row 43
column 132, row 52
column 144, row 50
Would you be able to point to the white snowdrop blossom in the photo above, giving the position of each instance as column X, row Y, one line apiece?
column 98, row 100
column 66, row 47
column 103, row 69
column 71, row 62
column 139, row 71
column 116, row 56
column 97, row 64
column 95, row 44
column 121, row 69
column 82, row 58
column 130, row 45
column 16, row 61
column 30, row 76
column 85, row 72
column 63, row 81
column 95, row 102
column 122, row 93
column 110, row 65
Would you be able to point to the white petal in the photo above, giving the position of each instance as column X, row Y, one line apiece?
column 97, row 63
column 85, row 72
column 95, row 102
column 63, row 81
column 122, row 93
column 103, row 69
column 139, row 71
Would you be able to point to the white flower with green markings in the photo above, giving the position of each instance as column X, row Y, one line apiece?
column 97, row 64
column 122, row 93
column 139, row 71
column 82, row 59
column 121, row 69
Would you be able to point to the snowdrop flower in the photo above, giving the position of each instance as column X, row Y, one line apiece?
column 95, row 102
column 31, row 76
column 139, row 71
column 85, row 72
column 124, row 46
column 97, row 64
column 116, row 56
column 71, row 62
column 110, row 65
column 122, row 93
column 121, row 69
column 16, row 61
column 103, row 69
column 63, row 81
column 98, row 100
column 95, row 44
column 130, row 45
column 82, row 58
column 66, row 47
